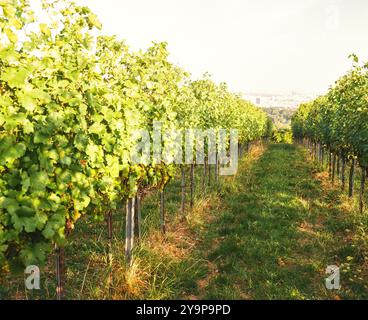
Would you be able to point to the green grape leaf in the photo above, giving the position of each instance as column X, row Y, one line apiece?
column 35, row 254
column 39, row 181
column 10, row 152
column 82, row 202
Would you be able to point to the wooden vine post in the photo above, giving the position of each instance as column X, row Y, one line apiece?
column 362, row 187
column 182, row 191
column 109, row 250
column 209, row 174
column 311, row 148
column 204, row 176
column 129, row 229
column 333, row 168
column 321, row 150
column 59, row 273
column 216, row 167
column 323, row 156
column 162, row 211
column 351, row 178
column 60, row 266
column 138, row 217
column 317, row 151
column 192, row 171
column 218, row 170
column 343, row 171
column 308, row 144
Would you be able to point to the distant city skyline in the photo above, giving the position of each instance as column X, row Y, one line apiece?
column 277, row 100
column 270, row 46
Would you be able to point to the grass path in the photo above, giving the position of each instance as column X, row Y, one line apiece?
column 278, row 229
column 267, row 233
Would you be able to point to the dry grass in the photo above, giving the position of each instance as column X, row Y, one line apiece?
column 163, row 250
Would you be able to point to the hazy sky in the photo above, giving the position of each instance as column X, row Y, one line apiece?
column 259, row 46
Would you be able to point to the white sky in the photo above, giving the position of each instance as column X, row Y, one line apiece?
column 264, row 46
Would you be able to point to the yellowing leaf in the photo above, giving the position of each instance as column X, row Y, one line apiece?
column 13, row 38
column 15, row 77
column 45, row 29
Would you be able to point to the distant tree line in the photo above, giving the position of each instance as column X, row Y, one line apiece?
column 280, row 116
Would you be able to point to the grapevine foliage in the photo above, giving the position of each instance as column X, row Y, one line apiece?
column 339, row 120
column 70, row 101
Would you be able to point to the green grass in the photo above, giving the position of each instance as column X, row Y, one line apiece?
column 267, row 233
column 279, row 231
